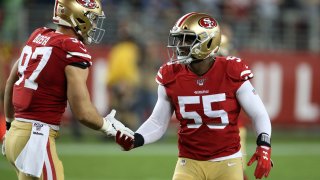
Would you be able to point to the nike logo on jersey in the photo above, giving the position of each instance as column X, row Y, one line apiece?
column 183, row 162
column 231, row 164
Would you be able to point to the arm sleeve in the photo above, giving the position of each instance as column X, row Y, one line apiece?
column 253, row 106
column 156, row 125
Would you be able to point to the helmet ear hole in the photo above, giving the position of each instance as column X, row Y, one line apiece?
column 209, row 43
column 80, row 20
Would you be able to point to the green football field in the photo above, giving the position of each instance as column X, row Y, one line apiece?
column 295, row 159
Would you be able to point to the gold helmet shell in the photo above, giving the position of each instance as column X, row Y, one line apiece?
column 197, row 31
column 84, row 16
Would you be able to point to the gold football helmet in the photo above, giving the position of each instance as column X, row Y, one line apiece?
column 195, row 36
column 84, row 16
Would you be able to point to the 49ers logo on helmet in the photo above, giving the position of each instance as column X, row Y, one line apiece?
column 208, row 22
column 91, row 4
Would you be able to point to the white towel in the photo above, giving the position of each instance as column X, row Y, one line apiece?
column 31, row 159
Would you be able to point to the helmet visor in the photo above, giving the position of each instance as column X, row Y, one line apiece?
column 179, row 45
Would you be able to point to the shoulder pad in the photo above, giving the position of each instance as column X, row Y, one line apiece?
column 35, row 33
column 237, row 69
column 167, row 73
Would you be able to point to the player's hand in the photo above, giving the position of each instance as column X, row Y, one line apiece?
column 264, row 162
column 126, row 142
column 111, row 125
column 3, row 147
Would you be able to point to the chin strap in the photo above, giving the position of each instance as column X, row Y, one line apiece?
column 214, row 52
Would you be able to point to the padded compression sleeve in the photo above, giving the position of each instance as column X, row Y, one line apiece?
column 253, row 106
column 156, row 125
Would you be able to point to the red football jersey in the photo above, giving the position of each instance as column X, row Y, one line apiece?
column 206, row 106
column 41, row 91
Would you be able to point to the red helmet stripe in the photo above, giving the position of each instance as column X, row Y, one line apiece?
column 183, row 18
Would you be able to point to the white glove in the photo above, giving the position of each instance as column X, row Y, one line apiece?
column 3, row 147
column 111, row 125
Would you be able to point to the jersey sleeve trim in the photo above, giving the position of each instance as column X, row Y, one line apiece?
column 159, row 78
column 158, row 81
column 70, row 54
column 246, row 74
column 159, row 75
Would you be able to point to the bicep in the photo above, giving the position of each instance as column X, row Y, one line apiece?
column 77, row 91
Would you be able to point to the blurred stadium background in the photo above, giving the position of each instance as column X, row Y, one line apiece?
column 280, row 40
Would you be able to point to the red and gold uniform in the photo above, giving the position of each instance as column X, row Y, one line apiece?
column 206, row 107
column 40, row 94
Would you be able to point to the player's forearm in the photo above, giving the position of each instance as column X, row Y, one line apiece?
column 90, row 117
column 156, row 125
column 151, row 131
column 85, row 112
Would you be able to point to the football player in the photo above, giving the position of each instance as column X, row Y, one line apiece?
column 206, row 92
column 52, row 69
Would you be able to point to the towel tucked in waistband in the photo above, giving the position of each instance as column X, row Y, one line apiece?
column 31, row 159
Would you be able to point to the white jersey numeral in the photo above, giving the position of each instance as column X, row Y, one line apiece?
column 26, row 56
column 207, row 108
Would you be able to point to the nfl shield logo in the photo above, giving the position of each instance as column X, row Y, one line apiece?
column 200, row 82
column 38, row 126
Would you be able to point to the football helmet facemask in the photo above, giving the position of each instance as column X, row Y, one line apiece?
column 194, row 37
column 84, row 16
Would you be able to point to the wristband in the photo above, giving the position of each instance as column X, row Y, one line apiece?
column 138, row 140
column 8, row 123
column 105, row 125
column 264, row 140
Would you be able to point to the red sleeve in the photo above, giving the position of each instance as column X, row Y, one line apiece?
column 237, row 69
column 76, row 52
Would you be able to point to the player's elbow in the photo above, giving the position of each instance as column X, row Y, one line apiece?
column 10, row 82
column 81, row 115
